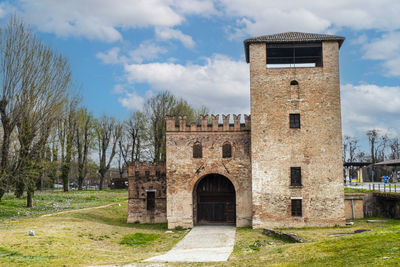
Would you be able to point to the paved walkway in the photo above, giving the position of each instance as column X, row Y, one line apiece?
column 201, row 244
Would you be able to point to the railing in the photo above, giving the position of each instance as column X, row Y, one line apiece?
column 385, row 187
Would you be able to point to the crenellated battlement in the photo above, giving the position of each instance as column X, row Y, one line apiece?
column 209, row 124
column 144, row 169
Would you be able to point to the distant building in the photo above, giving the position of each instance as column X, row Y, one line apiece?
column 281, row 168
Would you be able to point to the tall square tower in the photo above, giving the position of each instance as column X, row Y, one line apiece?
column 296, row 135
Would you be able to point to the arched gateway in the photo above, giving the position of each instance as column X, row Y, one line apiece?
column 214, row 200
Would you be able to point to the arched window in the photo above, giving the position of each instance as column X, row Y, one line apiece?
column 227, row 150
column 294, row 82
column 197, row 151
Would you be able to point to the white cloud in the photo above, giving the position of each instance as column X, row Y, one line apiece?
column 166, row 34
column 103, row 19
column 387, row 49
column 144, row 52
column 111, row 56
column 222, row 84
column 369, row 106
column 266, row 16
column 132, row 101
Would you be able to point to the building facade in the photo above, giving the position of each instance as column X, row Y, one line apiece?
column 281, row 169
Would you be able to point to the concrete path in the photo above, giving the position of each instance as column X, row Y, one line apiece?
column 201, row 244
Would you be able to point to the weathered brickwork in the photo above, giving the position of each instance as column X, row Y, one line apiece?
column 315, row 147
column 263, row 151
column 184, row 171
column 146, row 177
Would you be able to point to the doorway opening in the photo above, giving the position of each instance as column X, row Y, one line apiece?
column 214, row 200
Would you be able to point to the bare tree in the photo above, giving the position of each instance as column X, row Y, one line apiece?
column 84, row 136
column 394, row 148
column 373, row 136
column 350, row 147
column 34, row 80
column 16, row 47
column 157, row 108
column 66, row 133
column 108, row 132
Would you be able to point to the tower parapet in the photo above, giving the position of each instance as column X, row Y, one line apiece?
column 209, row 123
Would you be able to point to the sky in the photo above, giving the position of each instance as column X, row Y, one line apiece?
column 124, row 51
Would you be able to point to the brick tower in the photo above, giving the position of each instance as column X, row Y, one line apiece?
column 296, row 135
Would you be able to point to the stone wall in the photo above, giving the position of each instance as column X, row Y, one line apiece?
column 382, row 205
column 184, row 171
column 315, row 147
column 354, row 206
column 146, row 177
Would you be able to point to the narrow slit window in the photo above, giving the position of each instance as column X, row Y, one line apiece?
column 294, row 120
column 147, row 174
column 151, row 200
column 197, row 151
column 296, row 208
column 295, row 176
column 227, row 150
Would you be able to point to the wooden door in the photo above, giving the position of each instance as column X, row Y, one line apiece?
column 215, row 200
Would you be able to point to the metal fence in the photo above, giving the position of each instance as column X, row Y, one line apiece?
column 385, row 187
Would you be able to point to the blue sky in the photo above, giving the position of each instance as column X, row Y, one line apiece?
column 123, row 51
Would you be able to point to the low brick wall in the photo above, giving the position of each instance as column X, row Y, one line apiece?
column 354, row 206
column 374, row 204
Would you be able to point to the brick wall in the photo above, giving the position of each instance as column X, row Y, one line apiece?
column 184, row 171
column 146, row 177
column 315, row 147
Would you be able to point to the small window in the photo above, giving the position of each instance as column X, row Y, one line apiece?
column 294, row 120
column 151, row 200
column 158, row 173
column 197, row 151
column 227, row 150
column 295, row 176
column 136, row 173
column 296, row 208
column 294, row 82
column 147, row 174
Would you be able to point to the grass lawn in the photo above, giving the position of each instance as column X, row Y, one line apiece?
column 49, row 202
column 80, row 238
column 102, row 236
column 357, row 190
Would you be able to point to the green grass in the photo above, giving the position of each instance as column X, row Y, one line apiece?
column 50, row 202
column 356, row 190
column 139, row 239
column 81, row 238
column 378, row 247
column 93, row 237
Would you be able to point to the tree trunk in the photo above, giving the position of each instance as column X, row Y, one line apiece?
column 102, row 174
column 64, row 176
column 2, row 192
column 29, row 198
column 80, row 183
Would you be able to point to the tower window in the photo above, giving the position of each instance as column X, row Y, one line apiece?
column 294, row 120
column 294, row 55
column 147, row 173
column 295, row 176
column 227, row 150
column 294, row 82
column 197, row 151
column 297, row 208
column 150, row 200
